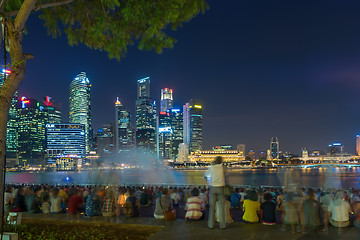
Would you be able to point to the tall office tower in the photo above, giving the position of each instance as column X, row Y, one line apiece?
column 124, row 133
column 31, row 132
column 52, row 111
column 358, row 144
column 241, row 149
column 11, row 130
column 336, row 149
column 165, row 134
column 105, row 140
column 177, row 131
column 166, row 101
column 80, row 106
column 145, row 118
column 274, row 148
column 193, row 125
column 262, row 155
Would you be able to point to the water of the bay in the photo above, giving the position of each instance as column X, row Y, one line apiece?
column 308, row 177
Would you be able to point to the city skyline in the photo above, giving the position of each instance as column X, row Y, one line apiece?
column 289, row 76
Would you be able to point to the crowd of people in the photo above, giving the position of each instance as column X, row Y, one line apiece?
column 295, row 210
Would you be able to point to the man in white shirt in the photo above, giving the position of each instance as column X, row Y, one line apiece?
column 339, row 209
column 216, row 178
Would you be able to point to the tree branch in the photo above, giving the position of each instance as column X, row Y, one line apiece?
column 24, row 13
column 37, row 8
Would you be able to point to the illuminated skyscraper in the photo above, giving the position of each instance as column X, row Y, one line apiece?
column 241, row 150
column 105, row 140
column 165, row 133
column 124, row 133
column 358, row 144
column 52, row 112
column 193, row 125
column 166, row 101
column 31, row 132
column 11, row 130
column 274, row 148
column 80, row 106
column 145, row 117
column 178, row 132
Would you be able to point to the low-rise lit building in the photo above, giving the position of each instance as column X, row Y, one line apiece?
column 208, row 156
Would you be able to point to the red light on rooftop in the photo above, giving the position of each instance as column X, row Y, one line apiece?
column 162, row 113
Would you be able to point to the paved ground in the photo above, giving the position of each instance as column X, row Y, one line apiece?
column 182, row 230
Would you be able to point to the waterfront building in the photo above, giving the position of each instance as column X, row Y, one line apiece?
column 52, row 111
column 358, row 144
column 166, row 100
column 80, row 106
column 65, row 139
column 31, row 132
column 241, row 148
column 145, row 133
column 124, row 133
column 193, row 125
column 208, row 156
column 68, row 162
column 11, row 130
column 223, row 147
column 262, row 155
column 274, row 148
column 165, row 134
column 305, row 153
column 177, row 131
column 251, row 154
column 336, row 149
column 105, row 140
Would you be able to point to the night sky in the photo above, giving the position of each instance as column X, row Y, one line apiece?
column 289, row 69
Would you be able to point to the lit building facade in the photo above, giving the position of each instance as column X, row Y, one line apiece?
column 177, row 131
column 208, row 156
column 336, row 149
column 241, row 148
column 358, row 145
column 193, row 125
column 52, row 112
column 11, row 130
column 145, row 118
column 274, row 148
column 165, row 134
column 65, row 139
column 31, row 132
column 124, row 133
column 80, row 106
column 105, row 140
column 166, row 100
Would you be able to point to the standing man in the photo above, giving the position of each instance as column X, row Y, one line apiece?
column 216, row 179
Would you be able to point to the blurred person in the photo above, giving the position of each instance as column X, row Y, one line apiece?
column 204, row 196
column 325, row 200
column 339, row 211
column 311, row 209
column 55, row 201
column 93, row 204
column 75, row 204
column 45, row 206
column 216, row 177
column 8, row 201
column 109, row 205
column 19, row 201
column 175, row 197
column 291, row 212
column 135, row 203
column 36, row 202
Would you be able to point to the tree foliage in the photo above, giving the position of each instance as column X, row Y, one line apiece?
column 112, row 25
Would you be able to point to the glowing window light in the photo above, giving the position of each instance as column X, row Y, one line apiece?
column 198, row 106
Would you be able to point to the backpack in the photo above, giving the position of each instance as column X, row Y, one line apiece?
column 128, row 209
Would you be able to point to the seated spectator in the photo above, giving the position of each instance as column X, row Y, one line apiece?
column 268, row 208
column 339, row 210
column 235, row 199
column 108, row 209
column 204, row 196
column 291, row 211
column 36, row 202
column 55, row 201
column 8, row 201
column 144, row 198
column 93, row 205
column 325, row 199
column 175, row 197
column 135, row 203
column 163, row 203
column 45, row 207
column 19, row 201
column 251, row 207
column 75, row 203
column 311, row 209
column 195, row 207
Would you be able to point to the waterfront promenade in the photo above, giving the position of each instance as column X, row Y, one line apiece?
column 181, row 229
